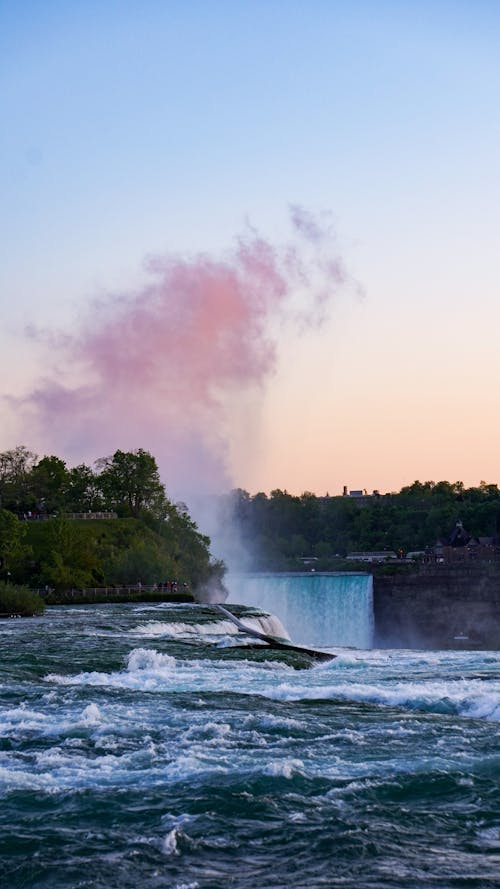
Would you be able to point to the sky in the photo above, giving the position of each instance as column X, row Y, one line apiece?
column 259, row 239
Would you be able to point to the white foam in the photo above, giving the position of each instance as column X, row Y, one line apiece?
column 50, row 724
column 212, row 733
column 285, row 768
column 15, row 779
column 266, row 623
column 458, row 696
column 149, row 659
column 146, row 669
column 91, row 715
column 490, row 835
column 179, row 629
column 169, row 845
column 372, row 678
column 268, row 720
column 297, row 817
column 483, row 706
column 23, row 719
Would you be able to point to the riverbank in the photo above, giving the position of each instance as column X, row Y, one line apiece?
column 101, row 595
column 19, row 601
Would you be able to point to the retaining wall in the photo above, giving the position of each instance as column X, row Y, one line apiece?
column 440, row 607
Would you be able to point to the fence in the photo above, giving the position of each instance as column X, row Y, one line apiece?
column 43, row 517
column 131, row 590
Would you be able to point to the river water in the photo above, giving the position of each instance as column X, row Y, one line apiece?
column 147, row 746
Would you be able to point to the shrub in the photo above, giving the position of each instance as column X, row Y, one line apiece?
column 19, row 600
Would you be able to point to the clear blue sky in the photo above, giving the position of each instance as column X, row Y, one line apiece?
column 134, row 128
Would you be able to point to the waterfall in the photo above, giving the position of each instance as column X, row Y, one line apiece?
column 321, row 609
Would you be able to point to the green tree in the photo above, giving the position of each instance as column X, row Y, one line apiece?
column 145, row 560
column 49, row 484
column 72, row 559
column 83, row 490
column 12, row 548
column 15, row 469
column 130, row 483
column 188, row 548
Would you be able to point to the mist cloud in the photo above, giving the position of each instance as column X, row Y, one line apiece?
column 154, row 367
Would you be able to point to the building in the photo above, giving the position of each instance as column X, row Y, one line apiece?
column 379, row 556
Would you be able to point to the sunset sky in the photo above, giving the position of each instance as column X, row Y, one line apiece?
column 260, row 239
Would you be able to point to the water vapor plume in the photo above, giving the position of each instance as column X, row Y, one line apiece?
column 157, row 368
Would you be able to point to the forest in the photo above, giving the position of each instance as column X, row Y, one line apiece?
column 48, row 539
column 281, row 529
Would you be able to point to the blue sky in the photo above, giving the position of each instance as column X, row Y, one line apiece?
column 136, row 128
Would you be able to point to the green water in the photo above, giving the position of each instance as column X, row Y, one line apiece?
column 144, row 746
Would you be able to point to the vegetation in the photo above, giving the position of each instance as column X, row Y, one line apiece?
column 150, row 540
column 19, row 600
column 282, row 529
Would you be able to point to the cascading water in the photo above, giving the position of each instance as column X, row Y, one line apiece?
column 138, row 747
column 317, row 608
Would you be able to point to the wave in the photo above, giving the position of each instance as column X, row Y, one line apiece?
column 344, row 679
column 467, row 699
column 267, row 624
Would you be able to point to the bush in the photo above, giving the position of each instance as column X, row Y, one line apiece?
column 19, row 600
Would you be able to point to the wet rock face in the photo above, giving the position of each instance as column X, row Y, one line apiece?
column 450, row 607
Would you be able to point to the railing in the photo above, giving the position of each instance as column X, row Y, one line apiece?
column 90, row 515
column 43, row 517
column 128, row 590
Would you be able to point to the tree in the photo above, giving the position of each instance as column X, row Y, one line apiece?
column 71, row 558
column 130, row 482
column 49, row 483
column 83, row 490
column 144, row 560
column 188, row 548
column 12, row 548
column 15, row 469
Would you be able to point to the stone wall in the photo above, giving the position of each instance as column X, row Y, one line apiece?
column 442, row 606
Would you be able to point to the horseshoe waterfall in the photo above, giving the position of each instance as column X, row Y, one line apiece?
column 319, row 609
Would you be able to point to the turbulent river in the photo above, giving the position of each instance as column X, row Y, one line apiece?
column 147, row 746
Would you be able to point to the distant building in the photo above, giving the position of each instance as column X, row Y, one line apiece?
column 460, row 546
column 416, row 555
column 360, row 495
column 377, row 556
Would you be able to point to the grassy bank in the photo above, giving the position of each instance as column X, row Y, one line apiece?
column 78, row 554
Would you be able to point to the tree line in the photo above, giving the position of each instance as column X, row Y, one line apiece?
column 151, row 540
column 127, row 482
column 154, row 539
column 280, row 528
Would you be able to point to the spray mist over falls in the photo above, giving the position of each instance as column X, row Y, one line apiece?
column 157, row 368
